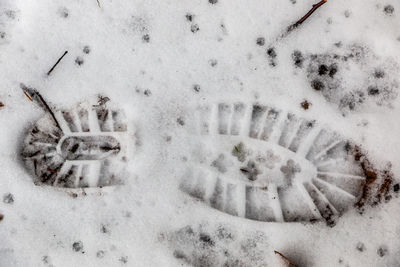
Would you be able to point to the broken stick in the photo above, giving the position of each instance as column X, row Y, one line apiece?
column 34, row 96
column 300, row 21
column 58, row 61
column 306, row 16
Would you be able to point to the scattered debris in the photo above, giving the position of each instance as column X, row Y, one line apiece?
column 58, row 61
column 1, row 217
column 101, row 100
column 377, row 182
column 1, row 104
column 389, row 10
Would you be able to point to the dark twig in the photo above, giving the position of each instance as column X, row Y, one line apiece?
column 285, row 258
column 98, row 3
column 306, row 16
column 300, row 21
column 35, row 96
column 271, row 48
column 58, row 61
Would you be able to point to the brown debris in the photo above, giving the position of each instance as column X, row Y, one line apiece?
column 28, row 96
column 305, row 104
column 1, row 217
column 377, row 182
column 285, row 258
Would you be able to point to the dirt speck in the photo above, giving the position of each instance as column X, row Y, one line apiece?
column 8, row 198
column 360, row 246
column 189, row 17
column 79, row 61
column 260, row 41
column 396, row 187
column 298, row 58
column 305, row 104
column 213, row 62
column 86, row 49
column 146, row 38
column 317, row 85
column 180, row 121
column 147, row 92
column 100, row 254
column 194, row 28
column 271, row 52
column 77, row 246
column 123, row 259
column 196, row 88
column 389, row 10
column 382, row 251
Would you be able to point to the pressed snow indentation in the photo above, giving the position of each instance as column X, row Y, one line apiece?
column 86, row 151
column 261, row 163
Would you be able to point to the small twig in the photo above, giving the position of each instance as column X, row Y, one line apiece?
column 58, row 61
column 98, row 3
column 34, row 96
column 306, row 16
column 271, row 48
column 300, row 21
column 28, row 96
column 285, row 258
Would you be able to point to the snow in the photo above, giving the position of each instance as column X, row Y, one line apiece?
column 159, row 65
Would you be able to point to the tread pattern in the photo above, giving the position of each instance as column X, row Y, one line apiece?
column 82, row 153
column 264, row 164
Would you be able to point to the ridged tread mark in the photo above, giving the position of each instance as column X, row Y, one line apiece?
column 51, row 154
column 324, row 149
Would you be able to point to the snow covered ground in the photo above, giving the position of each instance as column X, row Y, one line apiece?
column 166, row 190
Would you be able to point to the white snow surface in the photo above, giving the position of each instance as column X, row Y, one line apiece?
column 153, row 82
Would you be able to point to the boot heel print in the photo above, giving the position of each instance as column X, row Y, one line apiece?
column 88, row 150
